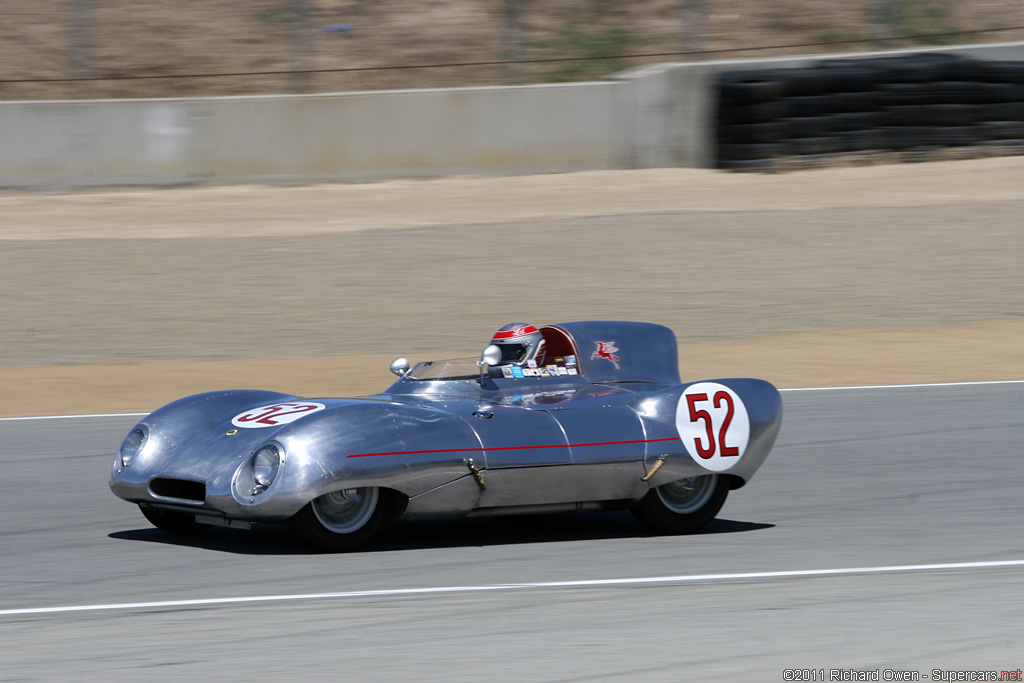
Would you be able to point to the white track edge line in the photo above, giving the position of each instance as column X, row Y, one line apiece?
column 66, row 417
column 907, row 386
column 844, row 388
column 397, row 592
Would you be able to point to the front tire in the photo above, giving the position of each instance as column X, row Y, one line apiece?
column 340, row 521
column 173, row 522
column 683, row 507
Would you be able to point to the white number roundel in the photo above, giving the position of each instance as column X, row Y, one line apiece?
column 713, row 424
column 275, row 415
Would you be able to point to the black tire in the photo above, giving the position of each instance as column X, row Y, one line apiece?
column 895, row 94
column 863, row 140
column 342, row 520
column 830, row 144
column 1002, row 72
column 750, row 152
column 808, row 126
column 749, row 87
column 1001, row 130
column 958, row 136
column 948, row 92
column 1008, row 111
column 855, row 121
column 903, row 115
column 812, row 105
column 952, row 114
column 847, row 76
column 853, row 102
column 996, row 93
column 751, row 113
column 751, row 133
column 752, row 166
column 676, row 509
column 173, row 522
column 812, row 81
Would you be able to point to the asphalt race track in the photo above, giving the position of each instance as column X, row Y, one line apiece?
column 860, row 479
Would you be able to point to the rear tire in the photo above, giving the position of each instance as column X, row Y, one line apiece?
column 173, row 522
column 340, row 521
column 683, row 507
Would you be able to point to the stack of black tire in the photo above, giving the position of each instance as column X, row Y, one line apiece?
column 920, row 101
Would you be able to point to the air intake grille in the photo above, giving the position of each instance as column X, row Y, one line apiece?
column 178, row 488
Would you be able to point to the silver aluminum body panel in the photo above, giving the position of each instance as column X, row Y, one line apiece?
column 562, row 439
column 657, row 410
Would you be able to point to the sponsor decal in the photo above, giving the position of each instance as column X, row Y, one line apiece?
column 517, row 372
column 563, row 371
column 572, row 371
column 607, row 351
column 507, row 371
column 275, row 415
column 713, row 425
column 553, row 369
column 544, row 372
column 531, row 363
column 570, row 360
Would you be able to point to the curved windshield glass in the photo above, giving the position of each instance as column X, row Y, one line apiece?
column 458, row 368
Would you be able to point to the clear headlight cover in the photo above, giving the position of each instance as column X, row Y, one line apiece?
column 132, row 444
column 265, row 464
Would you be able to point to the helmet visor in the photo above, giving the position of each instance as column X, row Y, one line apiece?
column 513, row 353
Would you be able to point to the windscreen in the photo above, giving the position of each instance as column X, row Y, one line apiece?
column 458, row 368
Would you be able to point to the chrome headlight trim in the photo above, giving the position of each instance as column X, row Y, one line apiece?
column 266, row 463
column 132, row 445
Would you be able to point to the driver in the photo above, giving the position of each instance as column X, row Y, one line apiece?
column 519, row 343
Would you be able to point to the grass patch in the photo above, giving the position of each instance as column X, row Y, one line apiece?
column 599, row 52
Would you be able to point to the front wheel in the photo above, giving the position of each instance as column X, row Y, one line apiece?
column 683, row 507
column 341, row 520
column 173, row 522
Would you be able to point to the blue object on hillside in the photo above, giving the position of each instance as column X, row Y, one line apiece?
column 337, row 28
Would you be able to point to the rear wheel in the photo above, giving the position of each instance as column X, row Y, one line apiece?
column 173, row 522
column 341, row 520
column 683, row 507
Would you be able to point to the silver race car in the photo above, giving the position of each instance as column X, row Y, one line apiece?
column 576, row 416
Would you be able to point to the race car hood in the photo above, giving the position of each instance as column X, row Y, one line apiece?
column 202, row 436
column 201, row 449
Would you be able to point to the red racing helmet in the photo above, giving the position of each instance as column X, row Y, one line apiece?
column 519, row 343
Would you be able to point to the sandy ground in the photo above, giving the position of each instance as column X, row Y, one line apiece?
column 253, row 211
column 122, row 301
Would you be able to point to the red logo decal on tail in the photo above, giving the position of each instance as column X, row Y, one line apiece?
column 607, row 351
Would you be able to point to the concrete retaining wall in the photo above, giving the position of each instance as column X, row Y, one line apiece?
column 312, row 137
column 650, row 117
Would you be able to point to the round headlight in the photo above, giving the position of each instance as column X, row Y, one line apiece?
column 265, row 464
column 133, row 443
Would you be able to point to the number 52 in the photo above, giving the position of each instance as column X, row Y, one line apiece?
column 708, row 451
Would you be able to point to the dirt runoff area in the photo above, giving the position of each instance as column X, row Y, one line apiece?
column 120, row 301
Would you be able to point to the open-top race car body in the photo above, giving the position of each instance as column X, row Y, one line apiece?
column 602, row 422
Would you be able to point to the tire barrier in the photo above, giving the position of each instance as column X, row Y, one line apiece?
column 906, row 103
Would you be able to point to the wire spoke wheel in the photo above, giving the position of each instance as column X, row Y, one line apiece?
column 688, row 495
column 346, row 511
column 685, row 506
column 342, row 520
